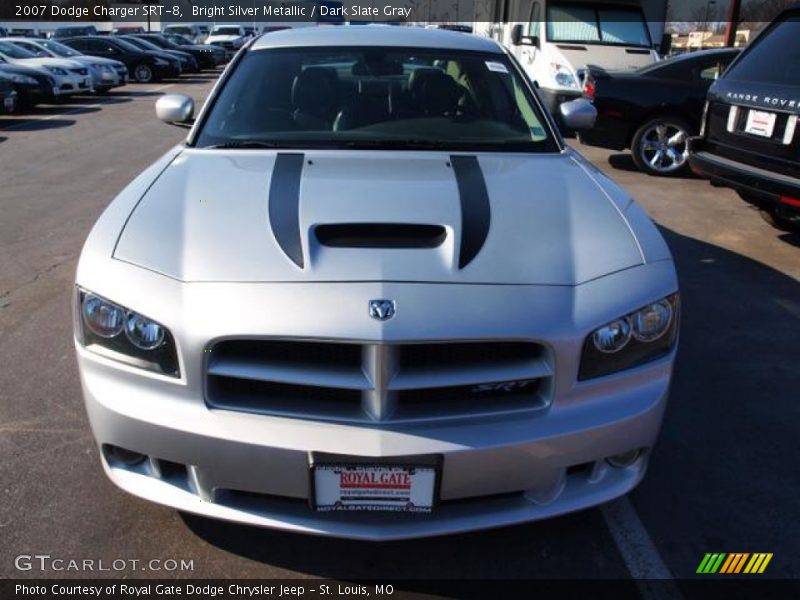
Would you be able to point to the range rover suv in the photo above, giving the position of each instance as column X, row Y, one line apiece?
column 749, row 140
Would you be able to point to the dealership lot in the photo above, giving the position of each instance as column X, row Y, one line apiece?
column 721, row 478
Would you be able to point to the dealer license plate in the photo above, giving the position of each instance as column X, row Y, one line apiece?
column 8, row 104
column 760, row 122
column 368, row 487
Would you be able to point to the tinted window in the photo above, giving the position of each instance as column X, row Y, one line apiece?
column 773, row 58
column 377, row 98
column 59, row 49
column 583, row 23
column 13, row 51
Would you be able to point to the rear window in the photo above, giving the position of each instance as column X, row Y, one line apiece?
column 381, row 98
column 773, row 58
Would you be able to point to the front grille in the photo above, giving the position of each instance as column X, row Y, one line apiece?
column 369, row 383
column 83, row 72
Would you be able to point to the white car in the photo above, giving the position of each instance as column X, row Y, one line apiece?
column 229, row 37
column 375, row 295
column 71, row 77
column 106, row 73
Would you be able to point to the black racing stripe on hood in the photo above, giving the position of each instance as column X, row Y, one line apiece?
column 284, row 204
column 476, row 213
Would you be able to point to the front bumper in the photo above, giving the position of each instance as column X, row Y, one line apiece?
column 73, row 84
column 766, row 186
column 500, row 470
column 107, row 80
column 170, row 71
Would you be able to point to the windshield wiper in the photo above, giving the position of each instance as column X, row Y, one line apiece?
column 398, row 144
column 245, row 145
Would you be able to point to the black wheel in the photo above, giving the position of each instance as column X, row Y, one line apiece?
column 779, row 220
column 660, row 146
column 143, row 73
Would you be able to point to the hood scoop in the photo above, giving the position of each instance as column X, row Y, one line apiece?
column 380, row 235
column 284, row 215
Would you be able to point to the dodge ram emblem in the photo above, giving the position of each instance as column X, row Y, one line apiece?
column 382, row 310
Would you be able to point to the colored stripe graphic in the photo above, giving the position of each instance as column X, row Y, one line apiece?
column 735, row 562
column 711, row 562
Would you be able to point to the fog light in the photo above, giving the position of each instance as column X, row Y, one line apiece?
column 126, row 457
column 626, row 459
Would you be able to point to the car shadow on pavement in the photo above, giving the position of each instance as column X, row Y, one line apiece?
column 548, row 548
column 58, row 109
column 793, row 239
column 23, row 124
column 725, row 452
column 729, row 439
column 624, row 162
column 130, row 93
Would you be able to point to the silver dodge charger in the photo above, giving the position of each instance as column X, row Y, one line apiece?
column 374, row 295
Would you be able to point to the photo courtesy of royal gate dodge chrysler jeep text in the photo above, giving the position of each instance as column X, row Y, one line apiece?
column 374, row 295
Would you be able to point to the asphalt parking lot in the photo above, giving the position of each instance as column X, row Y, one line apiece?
column 723, row 477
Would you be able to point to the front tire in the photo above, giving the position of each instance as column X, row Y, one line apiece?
column 660, row 147
column 143, row 73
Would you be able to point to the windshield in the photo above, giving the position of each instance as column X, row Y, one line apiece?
column 15, row 51
column 178, row 39
column 381, row 98
column 587, row 24
column 143, row 44
column 127, row 46
column 59, row 49
column 771, row 57
column 226, row 31
column 157, row 41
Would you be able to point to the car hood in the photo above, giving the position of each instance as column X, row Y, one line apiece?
column 619, row 58
column 43, row 61
column 25, row 70
column 161, row 54
column 222, row 38
column 98, row 60
column 247, row 216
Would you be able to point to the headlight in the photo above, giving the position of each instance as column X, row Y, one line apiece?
column 56, row 70
column 124, row 335
column 563, row 76
column 23, row 79
column 636, row 338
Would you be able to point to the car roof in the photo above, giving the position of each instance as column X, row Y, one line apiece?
column 376, row 35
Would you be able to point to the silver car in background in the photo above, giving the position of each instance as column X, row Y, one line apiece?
column 71, row 77
column 106, row 73
column 375, row 295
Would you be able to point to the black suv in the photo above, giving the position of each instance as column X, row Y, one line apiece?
column 750, row 138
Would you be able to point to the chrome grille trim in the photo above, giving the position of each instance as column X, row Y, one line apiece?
column 368, row 382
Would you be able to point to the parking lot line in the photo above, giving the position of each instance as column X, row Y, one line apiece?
column 639, row 552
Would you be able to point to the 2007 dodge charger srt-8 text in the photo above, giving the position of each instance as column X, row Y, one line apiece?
column 374, row 295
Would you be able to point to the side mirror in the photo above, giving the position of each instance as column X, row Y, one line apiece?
column 666, row 45
column 175, row 109
column 517, row 39
column 578, row 114
column 516, row 35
